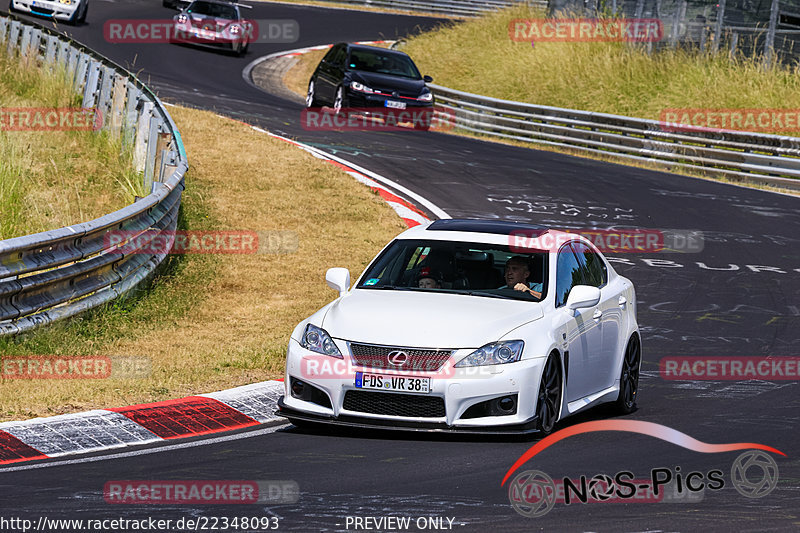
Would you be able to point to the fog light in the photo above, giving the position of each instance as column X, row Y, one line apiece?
column 506, row 404
column 297, row 388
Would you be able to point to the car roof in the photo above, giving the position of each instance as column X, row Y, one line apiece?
column 354, row 46
column 479, row 231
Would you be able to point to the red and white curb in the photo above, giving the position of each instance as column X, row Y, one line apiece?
column 106, row 429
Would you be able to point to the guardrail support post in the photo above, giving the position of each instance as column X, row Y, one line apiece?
column 142, row 135
column 104, row 103
column 90, row 89
column 25, row 42
column 152, row 151
column 117, row 110
column 13, row 37
column 130, row 118
column 82, row 64
column 3, row 29
column 50, row 51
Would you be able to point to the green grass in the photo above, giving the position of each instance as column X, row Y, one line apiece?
column 478, row 56
column 51, row 179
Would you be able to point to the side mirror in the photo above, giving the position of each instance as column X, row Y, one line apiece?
column 582, row 296
column 338, row 279
column 427, row 79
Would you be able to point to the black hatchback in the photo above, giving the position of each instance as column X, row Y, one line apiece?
column 360, row 76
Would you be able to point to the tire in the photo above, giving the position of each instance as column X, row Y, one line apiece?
column 339, row 102
column 629, row 377
column 82, row 18
column 311, row 98
column 548, row 400
column 11, row 8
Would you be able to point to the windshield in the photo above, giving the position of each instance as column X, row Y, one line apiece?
column 487, row 270
column 383, row 63
column 210, row 9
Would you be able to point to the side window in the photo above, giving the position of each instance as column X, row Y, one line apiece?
column 568, row 274
column 340, row 56
column 595, row 273
column 331, row 53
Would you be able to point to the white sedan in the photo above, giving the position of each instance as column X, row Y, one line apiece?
column 70, row 11
column 461, row 325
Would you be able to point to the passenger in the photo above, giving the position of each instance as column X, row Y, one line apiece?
column 429, row 279
column 517, row 273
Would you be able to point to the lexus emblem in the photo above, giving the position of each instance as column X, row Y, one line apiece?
column 397, row 357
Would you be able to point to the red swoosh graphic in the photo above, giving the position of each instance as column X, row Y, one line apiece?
column 634, row 426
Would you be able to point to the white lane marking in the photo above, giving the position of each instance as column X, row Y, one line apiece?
column 159, row 449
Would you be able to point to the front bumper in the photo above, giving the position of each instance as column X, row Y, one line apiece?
column 55, row 10
column 359, row 99
column 459, row 395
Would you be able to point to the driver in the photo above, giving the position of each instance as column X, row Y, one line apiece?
column 429, row 279
column 517, row 274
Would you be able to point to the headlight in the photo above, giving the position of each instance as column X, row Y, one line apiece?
column 182, row 19
column 66, row 2
column 317, row 340
column 360, row 87
column 496, row 353
column 426, row 97
column 235, row 29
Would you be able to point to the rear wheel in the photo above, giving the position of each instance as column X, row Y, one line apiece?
column 548, row 402
column 11, row 8
column 82, row 17
column 629, row 377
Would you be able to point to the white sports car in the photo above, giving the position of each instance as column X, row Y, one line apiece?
column 461, row 325
column 71, row 11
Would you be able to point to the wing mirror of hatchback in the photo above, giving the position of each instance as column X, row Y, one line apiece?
column 582, row 296
column 427, row 79
column 338, row 279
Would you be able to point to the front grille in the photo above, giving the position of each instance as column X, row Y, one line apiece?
column 384, row 403
column 419, row 360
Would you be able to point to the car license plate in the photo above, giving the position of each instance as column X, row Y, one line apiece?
column 392, row 383
column 395, row 105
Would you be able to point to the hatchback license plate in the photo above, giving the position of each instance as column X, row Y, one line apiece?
column 392, row 383
column 395, row 105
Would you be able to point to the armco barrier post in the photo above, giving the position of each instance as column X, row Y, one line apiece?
column 91, row 88
column 63, row 57
column 106, row 86
column 50, row 51
column 25, row 42
column 142, row 134
column 80, row 72
column 117, row 111
column 13, row 37
column 152, row 151
column 3, row 29
column 131, row 117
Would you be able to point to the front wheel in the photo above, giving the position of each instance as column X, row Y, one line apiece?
column 629, row 377
column 548, row 402
column 311, row 97
column 338, row 102
column 11, row 8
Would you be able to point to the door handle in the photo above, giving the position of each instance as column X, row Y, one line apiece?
column 622, row 301
column 597, row 314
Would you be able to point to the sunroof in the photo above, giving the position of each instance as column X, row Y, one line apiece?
column 498, row 227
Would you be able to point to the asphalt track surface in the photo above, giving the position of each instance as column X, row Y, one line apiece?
column 686, row 310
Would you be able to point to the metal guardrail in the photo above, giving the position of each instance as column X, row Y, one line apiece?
column 740, row 156
column 56, row 274
column 460, row 8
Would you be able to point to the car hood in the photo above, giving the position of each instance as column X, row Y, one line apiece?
column 386, row 83
column 425, row 319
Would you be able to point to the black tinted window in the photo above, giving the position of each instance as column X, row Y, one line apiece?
column 213, row 10
column 594, row 273
column 568, row 274
column 339, row 56
column 383, row 63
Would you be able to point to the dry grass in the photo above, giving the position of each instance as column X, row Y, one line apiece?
column 218, row 321
column 478, row 56
column 50, row 179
